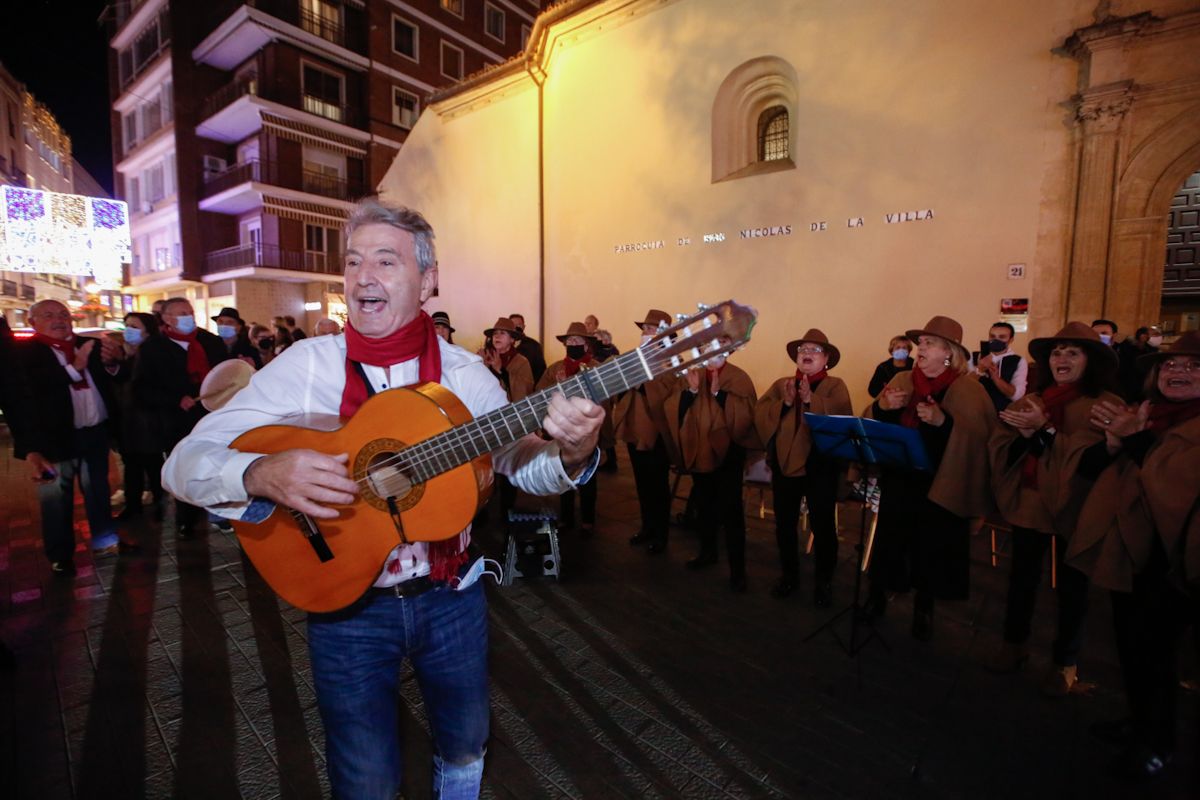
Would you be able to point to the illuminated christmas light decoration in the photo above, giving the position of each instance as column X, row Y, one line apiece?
column 67, row 234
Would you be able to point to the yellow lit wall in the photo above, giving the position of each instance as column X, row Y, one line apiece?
column 955, row 107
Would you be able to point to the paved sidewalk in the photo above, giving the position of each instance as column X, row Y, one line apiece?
column 177, row 673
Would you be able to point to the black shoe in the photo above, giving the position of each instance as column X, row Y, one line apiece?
column 184, row 530
column 737, row 584
column 128, row 513
column 701, row 561
column 656, row 547
column 1140, row 763
column 783, row 587
column 63, row 568
column 641, row 537
column 1117, row 732
column 823, row 595
column 922, row 626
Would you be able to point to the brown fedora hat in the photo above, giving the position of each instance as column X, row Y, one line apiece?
column 815, row 336
column 654, row 317
column 1076, row 333
column 1186, row 345
column 502, row 324
column 576, row 329
column 943, row 328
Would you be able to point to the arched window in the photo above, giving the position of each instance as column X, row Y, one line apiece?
column 773, row 134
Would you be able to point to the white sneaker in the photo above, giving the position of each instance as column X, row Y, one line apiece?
column 147, row 498
column 118, row 497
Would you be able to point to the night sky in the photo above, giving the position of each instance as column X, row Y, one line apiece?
column 59, row 51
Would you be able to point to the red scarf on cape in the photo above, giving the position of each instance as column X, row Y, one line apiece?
column 923, row 387
column 419, row 340
column 67, row 348
column 1055, row 400
column 197, row 360
column 571, row 366
column 1165, row 414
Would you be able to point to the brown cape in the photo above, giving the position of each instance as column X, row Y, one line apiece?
column 961, row 484
column 707, row 430
column 556, row 374
column 520, row 378
column 639, row 418
column 1053, row 507
column 1129, row 505
column 793, row 441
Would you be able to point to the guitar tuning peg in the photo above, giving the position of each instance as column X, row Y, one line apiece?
column 701, row 307
column 680, row 317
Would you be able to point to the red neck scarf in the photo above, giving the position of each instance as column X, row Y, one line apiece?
column 1165, row 414
column 506, row 358
column 197, row 360
column 571, row 366
column 1055, row 399
column 67, row 348
column 813, row 379
column 419, row 340
column 924, row 387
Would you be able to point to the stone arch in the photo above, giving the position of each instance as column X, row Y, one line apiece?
column 746, row 92
column 1154, row 173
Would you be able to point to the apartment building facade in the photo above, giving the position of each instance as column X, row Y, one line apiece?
column 245, row 130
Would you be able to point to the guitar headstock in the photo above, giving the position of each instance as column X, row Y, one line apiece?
column 711, row 332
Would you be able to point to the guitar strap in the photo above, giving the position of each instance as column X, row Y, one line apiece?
column 362, row 373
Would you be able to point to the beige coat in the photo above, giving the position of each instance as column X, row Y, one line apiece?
column 793, row 440
column 1053, row 507
column 707, row 430
column 1130, row 505
column 961, row 484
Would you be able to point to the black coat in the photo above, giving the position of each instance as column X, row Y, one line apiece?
column 51, row 430
column 160, row 382
column 15, row 401
column 242, row 347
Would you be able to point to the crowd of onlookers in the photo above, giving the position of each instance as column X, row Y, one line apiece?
column 1090, row 451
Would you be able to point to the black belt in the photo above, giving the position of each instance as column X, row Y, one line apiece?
column 408, row 588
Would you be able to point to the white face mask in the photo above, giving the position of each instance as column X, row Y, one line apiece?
column 646, row 338
column 716, row 363
column 1155, row 341
column 900, row 354
column 478, row 569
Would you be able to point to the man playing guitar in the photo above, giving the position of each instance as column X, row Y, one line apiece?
column 426, row 604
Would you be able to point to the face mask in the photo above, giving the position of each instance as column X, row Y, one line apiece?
column 900, row 354
column 575, row 351
column 478, row 569
column 716, row 363
column 134, row 335
column 227, row 331
column 997, row 346
column 185, row 324
column 266, row 343
column 1104, row 337
column 1155, row 341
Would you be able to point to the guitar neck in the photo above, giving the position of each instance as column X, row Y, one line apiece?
column 505, row 425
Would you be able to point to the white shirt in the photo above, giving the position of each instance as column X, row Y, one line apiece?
column 88, row 405
column 1020, row 378
column 308, row 378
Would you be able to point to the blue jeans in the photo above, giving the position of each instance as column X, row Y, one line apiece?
column 57, row 498
column 356, row 655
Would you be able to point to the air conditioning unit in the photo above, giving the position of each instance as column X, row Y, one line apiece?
column 214, row 165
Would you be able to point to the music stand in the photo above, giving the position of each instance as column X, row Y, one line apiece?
column 873, row 444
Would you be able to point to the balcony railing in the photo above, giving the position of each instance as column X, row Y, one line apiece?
column 332, row 186
column 269, row 255
column 328, row 29
column 230, row 92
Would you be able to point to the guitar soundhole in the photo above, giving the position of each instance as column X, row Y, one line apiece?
column 385, row 476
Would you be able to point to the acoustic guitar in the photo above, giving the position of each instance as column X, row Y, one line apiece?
column 423, row 464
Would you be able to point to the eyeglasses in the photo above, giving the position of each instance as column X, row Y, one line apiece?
column 814, row 350
column 1189, row 366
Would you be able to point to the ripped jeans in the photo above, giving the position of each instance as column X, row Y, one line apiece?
column 356, row 655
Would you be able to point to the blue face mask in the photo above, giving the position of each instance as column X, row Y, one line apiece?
column 478, row 570
column 1104, row 337
column 134, row 335
column 227, row 331
column 900, row 354
column 185, row 324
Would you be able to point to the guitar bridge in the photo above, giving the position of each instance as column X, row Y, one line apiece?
column 313, row 534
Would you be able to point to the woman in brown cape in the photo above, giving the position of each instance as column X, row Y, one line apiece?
column 1139, row 536
column 923, row 535
column 1035, row 462
column 579, row 345
column 797, row 470
column 711, row 422
column 514, row 373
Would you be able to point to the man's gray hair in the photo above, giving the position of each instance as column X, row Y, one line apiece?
column 370, row 211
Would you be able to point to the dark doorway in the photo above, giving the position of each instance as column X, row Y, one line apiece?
column 1181, row 270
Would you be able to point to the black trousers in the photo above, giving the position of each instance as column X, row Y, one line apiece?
column 652, row 478
column 919, row 544
column 718, row 496
column 587, row 505
column 819, row 485
column 1028, row 552
column 1148, row 623
column 142, row 471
